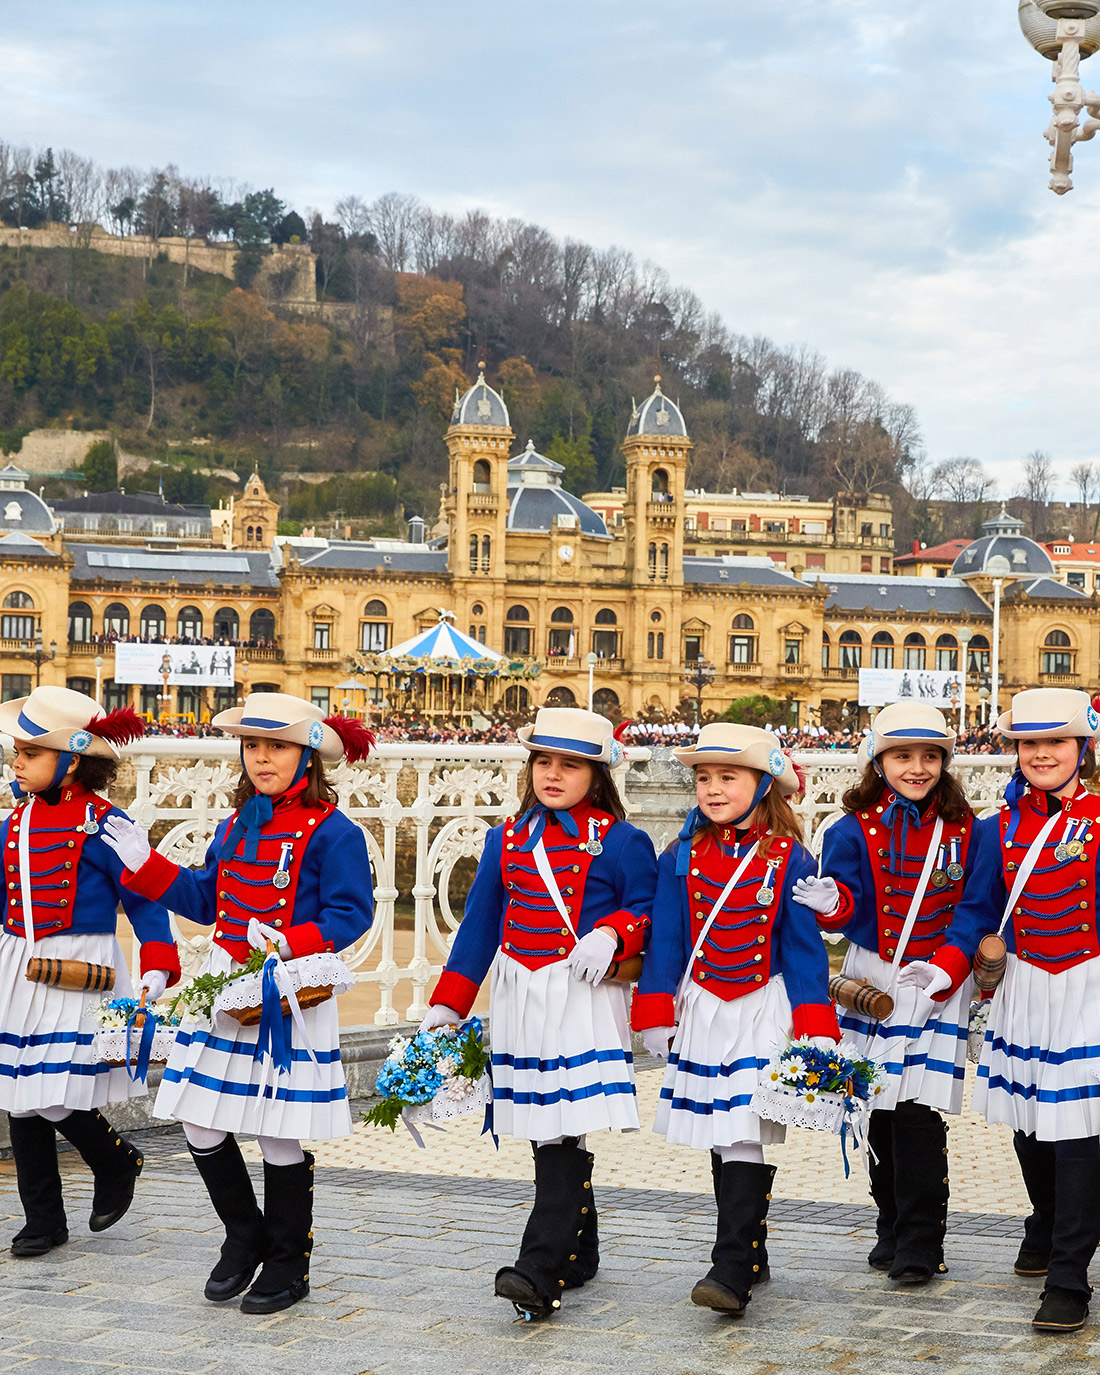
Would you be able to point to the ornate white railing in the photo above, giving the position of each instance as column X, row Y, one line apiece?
column 426, row 808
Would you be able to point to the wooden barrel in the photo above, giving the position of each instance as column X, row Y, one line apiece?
column 990, row 963
column 857, row 995
column 624, row 971
column 72, row 974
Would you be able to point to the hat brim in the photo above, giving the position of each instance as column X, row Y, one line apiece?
column 892, row 741
column 331, row 748
column 587, row 750
column 60, row 740
column 751, row 758
column 1079, row 727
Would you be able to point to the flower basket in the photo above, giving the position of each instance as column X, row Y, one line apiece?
column 132, row 1035
column 314, row 979
column 824, row 1090
column 434, row 1078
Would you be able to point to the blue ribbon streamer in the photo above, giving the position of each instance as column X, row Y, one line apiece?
column 251, row 819
column 537, row 816
column 275, row 1027
column 139, row 1069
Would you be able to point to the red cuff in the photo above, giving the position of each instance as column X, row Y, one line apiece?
column 814, row 1019
column 153, row 879
column 161, row 955
column 843, row 914
column 305, row 939
column 952, row 960
column 652, row 1009
column 454, row 990
column 631, row 929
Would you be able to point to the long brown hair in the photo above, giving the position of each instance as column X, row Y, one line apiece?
column 948, row 794
column 317, row 790
column 602, row 792
column 775, row 817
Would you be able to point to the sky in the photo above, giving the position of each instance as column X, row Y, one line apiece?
column 868, row 177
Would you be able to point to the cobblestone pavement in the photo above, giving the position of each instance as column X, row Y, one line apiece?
column 402, row 1282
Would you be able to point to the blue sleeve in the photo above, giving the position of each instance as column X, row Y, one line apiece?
column 799, row 951
column 844, row 858
column 667, row 956
column 982, row 904
column 480, row 931
column 337, row 866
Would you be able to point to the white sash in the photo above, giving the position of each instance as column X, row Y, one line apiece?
column 25, row 875
column 918, row 895
column 1024, row 872
column 542, row 864
column 685, row 978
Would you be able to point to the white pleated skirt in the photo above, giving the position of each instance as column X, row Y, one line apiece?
column 45, row 1034
column 1039, row 1070
column 717, row 1054
column 919, row 1063
column 562, row 1062
column 213, row 1078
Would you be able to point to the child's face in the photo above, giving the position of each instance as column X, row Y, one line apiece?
column 559, row 780
column 270, row 764
column 34, row 767
column 912, row 771
column 723, row 791
column 1050, row 764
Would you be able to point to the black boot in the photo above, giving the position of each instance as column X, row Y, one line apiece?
column 743, row 1197
column 880, row 1154
column 716, row 1178
column 34, row 1149
column 288, row 1221
column 584, row 1259
column 921, row 1191
column 114, row 1163
column 1074, row 1237
column 227, row 1181
column 563, row 1203
column 1037, row 1167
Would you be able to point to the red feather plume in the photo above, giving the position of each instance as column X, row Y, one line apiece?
column 354, row 736
column 119, row 727
column 797, row 772
column 620, row 729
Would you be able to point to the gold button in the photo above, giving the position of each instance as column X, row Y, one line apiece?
column 312, row 821
column 1023, row 955
column 587, row 1184
column 695, row 873
column 1082, row 904
column 218, row 935
column 297, row 835
column 583, row 1210
column 887, row 890
column 699, row 916
column 1018, row 911
column 507, row 945
column 761, row 939
column 872, row 831
column 759, row 978
column 1010, row 865
column 65, row 902
column 890, row 951
column 702, row 975
column 509, row 847
column 878, row 809
column 576, row 868
column 561, row 949
column 282, row 902
column 888, row 910
column 221, row 916
column 277, row 922
column 68, row 864
column 757, row 958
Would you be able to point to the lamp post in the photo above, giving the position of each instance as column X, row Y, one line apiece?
column 591, row 660
column 39, row 656
column 998, row 568
column 1066, row 32
column 165, row 670
column 965, row 636
column 983, row 697
column 98, row 661
column 699, row 676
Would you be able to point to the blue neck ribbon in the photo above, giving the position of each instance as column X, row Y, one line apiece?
column 139, row 1070
column 537, row 816
column 909, row 812
column 275, row 1028
column 697, row 817
column 257, row 812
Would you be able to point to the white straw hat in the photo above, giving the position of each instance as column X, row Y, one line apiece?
column 569, row 730
column 278, row 716
column 910, row 723
column 1038, row 713
column 749, row 747
column 58, row 718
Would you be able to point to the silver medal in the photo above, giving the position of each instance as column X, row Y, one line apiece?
column 1061, row 853
column 90, row 827
column 954, row 871
column 281, row 879
column 594, row 847
column 765, row 896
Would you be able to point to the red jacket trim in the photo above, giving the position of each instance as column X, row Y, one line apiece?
column 304, row 939
column 834, row 921
column 154, row 878
column 161, row 955
column 652, row 1009
column 951, row 959
column 631, row 929
column 454, row 990
column 815, row 1019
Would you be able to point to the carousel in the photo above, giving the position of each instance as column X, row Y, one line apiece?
column 442, row 674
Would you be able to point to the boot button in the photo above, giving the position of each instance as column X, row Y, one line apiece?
column 583, row 1210
column 572, row 1258
column 755, row 1268
column 587, row 1184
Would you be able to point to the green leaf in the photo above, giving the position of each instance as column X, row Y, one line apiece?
column 384, row 1114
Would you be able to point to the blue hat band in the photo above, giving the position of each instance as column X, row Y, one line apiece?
column 262, row 723
column 917, row 733
column 31, row 727
column 1038, row 725
column 562, row 742
column 718, row 749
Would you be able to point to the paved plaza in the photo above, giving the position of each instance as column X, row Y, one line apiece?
column 408, row 1242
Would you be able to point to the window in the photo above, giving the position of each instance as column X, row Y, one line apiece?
column 80, row 622
column 153, row 623
column 884, row 532
column 474, row 544
column 1057, row 653
column 774, row 527
column 517, row 637
column 947, row 654
column 824, row 649
column 224, row 698
column 116, row 696
column 792, row 651
column 116, row 620
column 517, row 613
column 261, row 625
column 374, row 636
column 978, row 654
column 560, row 697
column 606, row 616
column 14, row 685
column 865, row 529
column 656, row 644
column 160, row 527
column 319, row 697
column 742, row 646
column 476, row 610
column 483, row 477
column 125, row 525
column 605, row 701
column 561, row 643
column 1075, row 580
column 322, row 634
column 189, row 623
column 660, row 485
column 815, row 560
column 865, row 563
column 150, row 701
column 84, row 685
column 655, row 617
column 516, row 698
column 19, row 601
column 884, row 565
column 605, row 643
column 693, row 648
column 17, row 627
column 882, row 650
column 851, row 649
column 477, row 632
column 227, row 625
column 486, row 553
column 913, row 651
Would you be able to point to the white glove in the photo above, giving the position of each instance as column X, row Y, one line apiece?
column 128, row 840
column 440, row 1015
column 822, row 1042
column 818, row 894
column 592, row 955
column 656, row 1040
column 155, row 981
column 259, row 934
column 921, row 974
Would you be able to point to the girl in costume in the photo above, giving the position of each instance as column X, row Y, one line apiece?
column 736, row 965
column 61, row 903
column 563, row 892
column 901, row 852
column 1034, row 881
column 286, row 867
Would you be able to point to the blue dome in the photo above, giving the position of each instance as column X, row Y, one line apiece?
column 480, row 406
column 536, row 509
column 657, row 416
column 1005, row 542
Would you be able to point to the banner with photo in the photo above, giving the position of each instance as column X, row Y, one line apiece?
column 192, row 665
column 878, row 687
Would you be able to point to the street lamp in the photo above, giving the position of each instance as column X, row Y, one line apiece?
column 591, row 660
column 39, row 656
column 1066, row 32
column 983, row 696
column 98, row 661
column 699, row 676
column 165, row 670
column 965, row 636
column 998, row 568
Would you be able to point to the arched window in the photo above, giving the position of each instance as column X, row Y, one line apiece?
column 116, row 621
column 743, row 641
column 248, row 533
column 259, row 534
column 851, row 649
column 517, row 636
column 19, row 601
column 561, row 615
column 261, row 626
column 560, row 697
column 517, row 613
column 605, row 701
column 476, row 610
column 483, row 477
column 913, row 651
column 1057, row 653
column 977, row 654
column 660, row 484
column 663, row 569
column 227, row 624
column 605, row 616
column 743, row 622
column 486, row 554
column 655, row 648
column 84, row 685
column 474, row 545
column 80, row 623
column 154, row 623
column 562, row 642
column 16, row 626
column 477, row 631
column 1057, row 639
column 653, row 562
column 189, row 623
column 824, row 649
column 377, row 608
column 947, row 653
column 882, row 649
column 374, row 633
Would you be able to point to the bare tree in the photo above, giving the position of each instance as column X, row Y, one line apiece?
column 352, row 215
column 1038, row 482
column 1084, row 479
column 964, row 487
column 391, row 219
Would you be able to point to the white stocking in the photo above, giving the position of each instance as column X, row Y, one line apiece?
column 280, row 1150
column 203, row 1139
column 750, row 1151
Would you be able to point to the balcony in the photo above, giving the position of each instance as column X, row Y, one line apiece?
column 743, row 670
column 796, row 670
column 482, row 501
column 254, row 655
column 661, row 512
column 325, row 656
column 86, row 647
column 1070, row 680
column 563, row 663
column 848, row 674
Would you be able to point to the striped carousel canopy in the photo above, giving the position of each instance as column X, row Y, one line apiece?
column 442, row 641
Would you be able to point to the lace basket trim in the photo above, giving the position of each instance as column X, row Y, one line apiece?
column 324, row 970
column 449, row 1104
column 109, row 1046
column 825, row 1113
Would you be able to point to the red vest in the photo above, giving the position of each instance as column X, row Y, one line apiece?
column 894, row 892
column 534, row 933
column 246, row 887
column 736, row 957
column 1054, row 920
column 54, row 844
